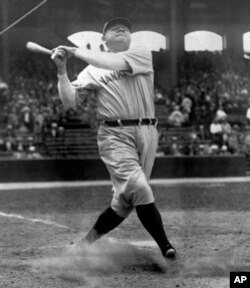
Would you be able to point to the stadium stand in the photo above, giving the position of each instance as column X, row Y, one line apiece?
column 209, row 84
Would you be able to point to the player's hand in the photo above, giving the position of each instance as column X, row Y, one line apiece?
column 59, row 57
column 70, row 51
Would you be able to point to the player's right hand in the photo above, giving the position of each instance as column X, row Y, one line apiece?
column 59, row 57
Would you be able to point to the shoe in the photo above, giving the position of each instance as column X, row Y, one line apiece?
column 170, row 252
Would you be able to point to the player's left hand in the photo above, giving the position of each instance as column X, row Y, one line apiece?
column 69, row 51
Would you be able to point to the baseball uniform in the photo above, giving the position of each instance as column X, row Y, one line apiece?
column 127, row 151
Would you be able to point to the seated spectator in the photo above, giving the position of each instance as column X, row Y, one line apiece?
column 195, row 144
column 10, row 131
column 220, row 114
column 19, row 144
column 233, row 141
column 226, row 129
column 9, row 143
column 246, row 147
column 159, row 97
column 13, row 118
column 174, row 147
column 176, row 118
column 215, row 149
column 224, row 150
column 53, row 130
column 186, row 106
column 3, row 91
column 2, row 145
column 248, row 115
column 27, row 118
column 216, row 132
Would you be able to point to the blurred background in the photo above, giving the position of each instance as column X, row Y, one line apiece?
column 201, row 52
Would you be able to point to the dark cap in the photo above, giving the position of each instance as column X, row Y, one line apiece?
column 119, row 20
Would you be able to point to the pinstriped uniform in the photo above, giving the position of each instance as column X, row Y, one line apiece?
column 128, row 151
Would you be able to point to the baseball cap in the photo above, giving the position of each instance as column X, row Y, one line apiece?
column 118, row 20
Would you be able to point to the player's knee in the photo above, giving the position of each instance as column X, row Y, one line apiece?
column 140, row 190
column 137, row 180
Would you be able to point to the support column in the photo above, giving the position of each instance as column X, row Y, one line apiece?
column 234, row 41
column 173, row 42
column 176, row 35
column 4, row 41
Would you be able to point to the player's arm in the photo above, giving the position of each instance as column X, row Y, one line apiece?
column 99, row 59
column 65, row 89
column 139, row 60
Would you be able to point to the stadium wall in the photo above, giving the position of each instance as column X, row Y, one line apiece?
column 40, row 170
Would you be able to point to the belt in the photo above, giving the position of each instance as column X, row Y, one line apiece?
column 130, row 122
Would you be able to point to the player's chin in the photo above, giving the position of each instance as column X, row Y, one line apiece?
column 124, row 43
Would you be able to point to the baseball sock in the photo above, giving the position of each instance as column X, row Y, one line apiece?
column 151, row 219
column 107, row 221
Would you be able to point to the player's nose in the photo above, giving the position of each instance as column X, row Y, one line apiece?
column 121, row 29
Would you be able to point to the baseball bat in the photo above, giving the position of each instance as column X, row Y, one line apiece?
column 34, row 47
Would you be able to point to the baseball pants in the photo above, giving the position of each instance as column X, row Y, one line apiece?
column 129, row 153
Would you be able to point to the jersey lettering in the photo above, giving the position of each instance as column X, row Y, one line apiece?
column 116, row 75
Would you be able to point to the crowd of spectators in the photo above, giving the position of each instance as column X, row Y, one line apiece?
column 213, row 92
column 30, row 106
column 212, row 95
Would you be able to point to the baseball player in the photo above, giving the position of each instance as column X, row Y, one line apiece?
column 127, row 135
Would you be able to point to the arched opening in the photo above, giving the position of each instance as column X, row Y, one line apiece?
column 203, row 41
column 152, row 40
column 246, row 42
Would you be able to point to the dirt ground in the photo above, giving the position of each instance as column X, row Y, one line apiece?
column 209, row 223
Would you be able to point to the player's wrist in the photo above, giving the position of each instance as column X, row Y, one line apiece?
column 76, row 52
column 61, row 71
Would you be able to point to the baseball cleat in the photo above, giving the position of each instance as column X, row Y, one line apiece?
column 170, row 252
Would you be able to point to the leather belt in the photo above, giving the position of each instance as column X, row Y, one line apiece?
column 130, row 122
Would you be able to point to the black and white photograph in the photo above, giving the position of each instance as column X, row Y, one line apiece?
column 124, row 144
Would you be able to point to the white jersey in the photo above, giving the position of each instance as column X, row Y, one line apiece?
column 121, row 95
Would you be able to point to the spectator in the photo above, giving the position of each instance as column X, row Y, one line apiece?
column 220, row 114
column 27, row 118
column 216, row 132
column 186, row 106
column 53, row 130
column 248, row 115
column 176, row 118
column 2, row 145
column 3, row 91
column 233, row 141
column 159, row 96
column 174, row 147
column 246, row 146
column 226, row 130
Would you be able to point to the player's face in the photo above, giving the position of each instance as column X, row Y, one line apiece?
column 117, row 38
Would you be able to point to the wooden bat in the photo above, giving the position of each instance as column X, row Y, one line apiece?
column 34, row 47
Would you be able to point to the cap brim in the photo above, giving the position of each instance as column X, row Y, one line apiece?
column 119, row 20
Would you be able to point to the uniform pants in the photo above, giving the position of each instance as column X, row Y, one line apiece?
column 129, row 153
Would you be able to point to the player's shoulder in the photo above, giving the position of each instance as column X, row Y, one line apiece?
column 139, row 49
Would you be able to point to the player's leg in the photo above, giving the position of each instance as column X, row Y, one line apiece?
column 131, row 186
column 143, row 200
column 151, row 219
column 114, row 215
column 149, row 214
column 107, row 221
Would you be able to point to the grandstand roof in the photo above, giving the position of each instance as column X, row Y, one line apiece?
column 142, row 10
